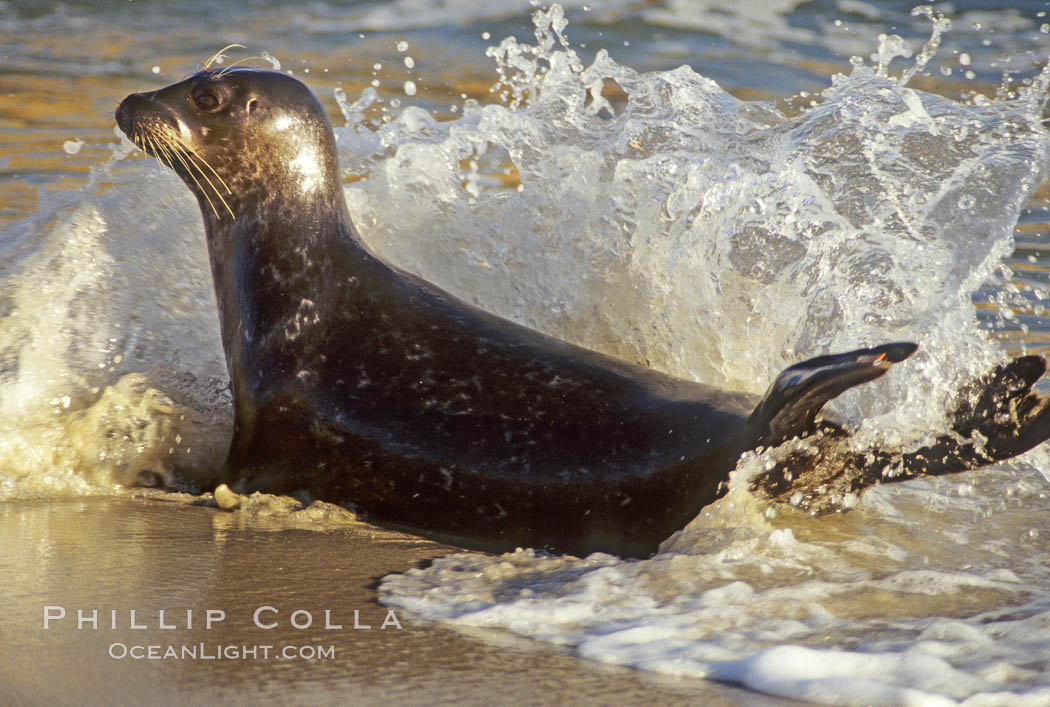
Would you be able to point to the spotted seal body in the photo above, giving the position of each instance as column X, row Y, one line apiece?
column 361, row 383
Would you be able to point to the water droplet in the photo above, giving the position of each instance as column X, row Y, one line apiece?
column 274, row 63
column 410, row 88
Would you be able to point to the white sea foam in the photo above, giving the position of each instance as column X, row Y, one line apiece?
column 841, row 617
column 112, row 365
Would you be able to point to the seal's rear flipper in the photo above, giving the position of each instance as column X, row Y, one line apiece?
column 998, row 417
column 790, row 406
column 994, row 393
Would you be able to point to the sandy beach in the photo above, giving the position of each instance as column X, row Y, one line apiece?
column 145, row 555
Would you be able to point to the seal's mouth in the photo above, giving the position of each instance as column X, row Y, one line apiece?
column 154, row 131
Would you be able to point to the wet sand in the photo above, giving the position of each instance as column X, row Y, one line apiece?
column 142, row 554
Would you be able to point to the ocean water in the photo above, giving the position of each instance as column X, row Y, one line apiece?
column 713, row 189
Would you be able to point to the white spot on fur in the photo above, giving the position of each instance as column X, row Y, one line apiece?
column 307, row 314
column 308, row 165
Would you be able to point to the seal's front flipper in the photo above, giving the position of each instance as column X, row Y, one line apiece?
column 790, row 406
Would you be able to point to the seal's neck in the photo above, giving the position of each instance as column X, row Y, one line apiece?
column 273, row 269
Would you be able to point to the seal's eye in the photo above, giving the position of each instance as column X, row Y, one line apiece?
column 207, row 100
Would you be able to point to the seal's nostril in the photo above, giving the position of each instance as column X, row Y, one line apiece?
column 126, row 112
column 131, row 108
column 122, row 115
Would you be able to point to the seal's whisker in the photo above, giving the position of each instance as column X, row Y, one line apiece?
column 171, row 148
column 193, row 153
column 157, row 155
column 191, row 168
column 168, row 148
column 219, row 55
column 162, row 144
column 164, row 153
column 240, row 62
column 190, row 158
column 137, row 139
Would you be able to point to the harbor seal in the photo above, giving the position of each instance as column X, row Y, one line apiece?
column 360, row 383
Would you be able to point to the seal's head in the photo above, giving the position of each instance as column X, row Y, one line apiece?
column 238, row 137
